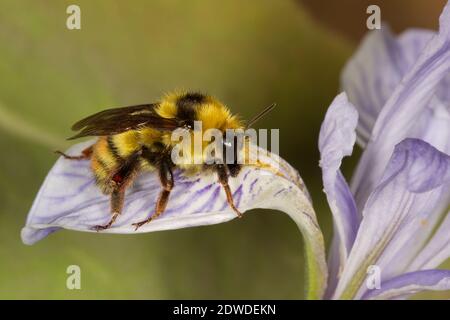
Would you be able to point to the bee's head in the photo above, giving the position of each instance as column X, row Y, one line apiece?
column 206, row 117
column 212, row 117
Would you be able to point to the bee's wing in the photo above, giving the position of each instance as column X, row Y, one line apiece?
column 114, row 121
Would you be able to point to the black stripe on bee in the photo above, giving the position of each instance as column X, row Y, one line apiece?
column 102, row 164
column 186, row 105
column 113, row 148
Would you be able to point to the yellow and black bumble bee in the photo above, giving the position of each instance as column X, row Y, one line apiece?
column 136, row 138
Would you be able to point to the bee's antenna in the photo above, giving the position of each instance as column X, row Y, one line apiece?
column 260, row 115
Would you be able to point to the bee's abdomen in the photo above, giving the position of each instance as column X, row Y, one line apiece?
column 105, row 161
column 112, row 152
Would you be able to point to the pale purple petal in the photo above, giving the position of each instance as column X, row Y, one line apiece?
column 70, row 199
column 336, row 140
column 372, row 74
column 410, row 283
column 407, row 244
column 335, row 264
column 411, row 188
column 437, row 249
column 405, row 112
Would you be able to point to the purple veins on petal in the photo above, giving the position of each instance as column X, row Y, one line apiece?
column 415, row 87
column 237, row 199
column 252, row 185
column 279, row 192
column 410, row 283
column 209, row 203
column 391, row 224
column 70, row 199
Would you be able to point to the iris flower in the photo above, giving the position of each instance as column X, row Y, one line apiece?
column 393, row 216
column 395, row 213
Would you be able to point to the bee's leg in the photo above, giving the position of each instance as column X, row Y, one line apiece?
column 166, row 178
column 120, row 181
column 85, row 154
column 117, row 200
column 222, row 173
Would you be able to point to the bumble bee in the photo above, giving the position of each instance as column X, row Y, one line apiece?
column 136, row 138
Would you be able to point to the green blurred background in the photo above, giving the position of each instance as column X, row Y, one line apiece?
column 247, row 53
